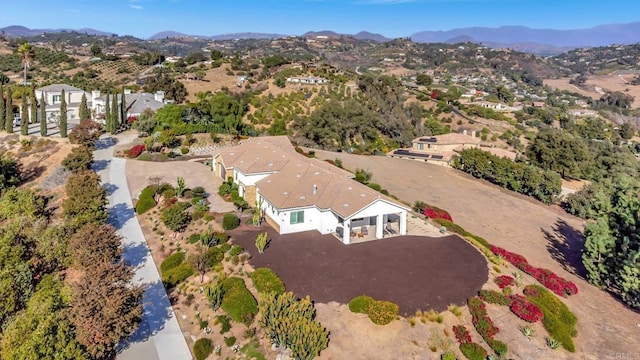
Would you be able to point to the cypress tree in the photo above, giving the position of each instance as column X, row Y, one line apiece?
column 123, row 109
column 84, row 110
column 24, row 116
column 1, row 107
column 63, row 116
column 8, row 117
column 115, row 113
column 107, row 114
column 34, row 106
column 43, row 116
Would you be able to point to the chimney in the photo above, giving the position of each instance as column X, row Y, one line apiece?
column 464, row 132
column 159, row 96
column 473, row 133
column 315, row 189
column 127, row 91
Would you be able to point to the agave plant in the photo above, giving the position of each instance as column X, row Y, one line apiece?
column 553, row 343
column 527, row 331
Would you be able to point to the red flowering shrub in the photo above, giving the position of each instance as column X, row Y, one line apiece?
column 135, row 151
column 433, row 212
column 504, row 280
column 525, row 309
column 462, row 334
column 546, row 277
column 131, row 119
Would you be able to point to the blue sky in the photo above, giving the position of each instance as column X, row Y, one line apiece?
column 392, row 18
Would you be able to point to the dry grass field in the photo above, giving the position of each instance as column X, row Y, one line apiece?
column 599, row 84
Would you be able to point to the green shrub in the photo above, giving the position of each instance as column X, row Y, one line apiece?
column 215, row 255
column 184, row 150
column 558, row 320
column 199, row 192
column 225, row 247
column 149, row 191
column 360, row 304
column 221, row 237
column 494, row 297
column 164, row 187
column 448, row 356
column 193, row 238
column 498, row 346
column 265, row 281
column 145, row 204
column 382, row 312
column 225, row 323
column 473, row 351
column 238, row 301
column 169, row 193
column 230, row 221
column 175, row 217
column 177, row 275
column 236, row 250
column 202, row 349
column 230, row 341
column 375, row 186
column 172, row 261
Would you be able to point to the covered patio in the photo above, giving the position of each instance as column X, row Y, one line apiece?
column 360, row 229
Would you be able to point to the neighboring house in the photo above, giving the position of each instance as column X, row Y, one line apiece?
column 299, row 194
column 582, row 112
column 491, row 105
column 136, row 103
column 441, row 148
column 307, row 80
column 53, row 98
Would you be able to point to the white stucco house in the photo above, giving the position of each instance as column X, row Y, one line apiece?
column 136, row 103
column 53, row 98
column 297, row 194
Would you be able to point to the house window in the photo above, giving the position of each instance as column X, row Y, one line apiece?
column 297, row 217
column 57, row 99
column 420, row 146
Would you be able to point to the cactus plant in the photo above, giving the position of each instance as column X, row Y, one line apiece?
column 261, row 242
column 214, row 295
column 290, row 323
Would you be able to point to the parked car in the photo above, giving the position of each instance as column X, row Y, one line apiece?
column 16, row 119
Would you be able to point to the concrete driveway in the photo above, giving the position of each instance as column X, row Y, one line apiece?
column 159, row 336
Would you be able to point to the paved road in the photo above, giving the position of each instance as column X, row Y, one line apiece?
column 159, row 336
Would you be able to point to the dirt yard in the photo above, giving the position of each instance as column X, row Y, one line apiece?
column 545, row 235
column 411, row 271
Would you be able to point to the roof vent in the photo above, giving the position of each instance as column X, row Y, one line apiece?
column 270, row 164
column 316, row 173
column 349, row 188
column 285, row 193
column 346, row 205
column 315, row 189
column 363, row 195
column 302, row 197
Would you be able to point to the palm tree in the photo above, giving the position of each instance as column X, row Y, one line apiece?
column 26, row 57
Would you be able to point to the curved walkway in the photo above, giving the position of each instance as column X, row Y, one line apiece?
column 159, row 336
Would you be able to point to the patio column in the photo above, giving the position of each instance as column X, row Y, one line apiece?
column 403, row 223
column 379, row 226
column 346, row 232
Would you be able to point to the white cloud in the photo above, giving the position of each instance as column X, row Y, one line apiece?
column 136, row 7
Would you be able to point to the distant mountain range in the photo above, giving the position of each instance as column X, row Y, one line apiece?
column 22, row 31
column 538, row 41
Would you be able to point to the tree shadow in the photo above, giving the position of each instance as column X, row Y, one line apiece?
column 156, row 313
column 110, row 188
column 565, row 245
column 120, row 213
column 105, row 143
column 100, row 165
column 135, row 254
column 33, row 172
